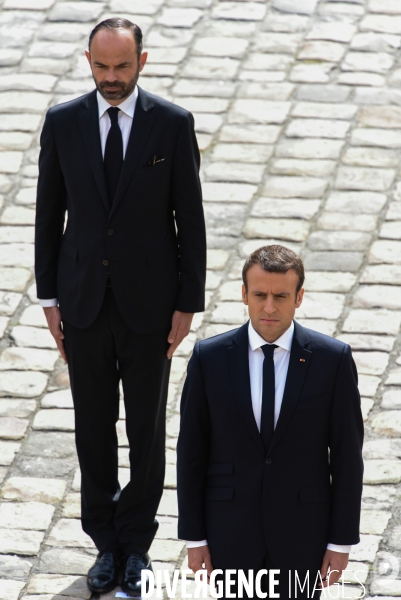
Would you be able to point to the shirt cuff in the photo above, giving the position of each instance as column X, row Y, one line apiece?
column 48, row 303
column 337, row 548
column 196, row 544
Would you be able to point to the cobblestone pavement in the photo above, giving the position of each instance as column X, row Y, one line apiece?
column 298, row 109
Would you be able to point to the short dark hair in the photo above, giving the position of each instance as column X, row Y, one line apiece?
column 118, row 23
column 275, row 259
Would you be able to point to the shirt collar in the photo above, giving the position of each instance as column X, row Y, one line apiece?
column 284, row 341
column 127, row 107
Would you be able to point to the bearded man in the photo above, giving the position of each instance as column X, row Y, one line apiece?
column 120, row 284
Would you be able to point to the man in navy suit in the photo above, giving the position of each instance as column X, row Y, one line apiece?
column 270, row 447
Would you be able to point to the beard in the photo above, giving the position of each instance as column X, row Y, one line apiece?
column 124, row 89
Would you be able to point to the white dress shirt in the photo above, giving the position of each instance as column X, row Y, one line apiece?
column 281, row 359
column 125, row 118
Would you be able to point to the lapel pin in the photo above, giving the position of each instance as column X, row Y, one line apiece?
column 301, row 360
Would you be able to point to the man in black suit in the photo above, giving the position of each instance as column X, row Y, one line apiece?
column 121, row 283
column 269, row 452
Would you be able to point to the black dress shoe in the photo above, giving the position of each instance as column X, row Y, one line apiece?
column 102, row 577
column 131, row 582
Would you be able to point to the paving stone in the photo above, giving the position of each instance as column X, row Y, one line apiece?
column 340, row 8
column 322, row 50
column 15, row 102
column 10, row 234
column 374, row 521
column 32, row 337
column 373, row 157
column 393, row 211
column 309, row 148
column 358, row 178
column 256, row 134
column 286, row 229
column 336, row 32
column 228, row 192
column 30, row 489
column 9, row 57
column 394, row 377
column 384, row 586
column 229, row 312
column 390, row 230
column 59, row 584
column 10, row 589
column 360, row 341
column 252, row 11
column 16, row 255
column 68, row 532
column 277, row 42
column 16, row 215
column 388, row 423
column 10, row 162
column 65, row 562
column 14, row 568
column 316, row 128
column 28, row 515
column 18, row 541
column 34, row 316
column 321, row 305
column 76, row 11
column 167, row 550
column 72, row 510
column 371, row 363
column 320, row 281
column 40, row 466
column 355, row 202
column 290, row 187
column 211, row 68
column 332, row 221
column 338, row 240
column 59, row 399
column 381, row 23
column 391, row 399
column 28, row 359
column 370, row 95
column 54, row 419
column 308, row 168
column 277, row 207
column 234, row 171
column 12, row 428
column 3, row 325
column 254, row 153
column 8, row 450
column 264, row 89
column 334, row 261
column 311, row 73
column 307, row 7
column 356, row 572
column 379, row 321
column 258, row 111
column 366, row 549
column 179, row 17
column 376, row 137
column 390, row 274
column 320, row 110
column 325, row 326
column 381, row 296
column 378, row 62
column 16, row 407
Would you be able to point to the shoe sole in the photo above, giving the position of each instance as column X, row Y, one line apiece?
column 105, row 590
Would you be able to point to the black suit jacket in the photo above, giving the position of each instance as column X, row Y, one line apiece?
column 154, row 236
column 292, row 500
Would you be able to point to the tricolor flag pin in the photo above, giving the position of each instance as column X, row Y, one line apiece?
column 301, row 360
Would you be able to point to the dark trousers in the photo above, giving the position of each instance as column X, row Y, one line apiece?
column 288, row 587
column 98, row 358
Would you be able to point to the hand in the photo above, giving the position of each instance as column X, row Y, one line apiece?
column 337, row 561
column 197, row 557
column 180, row 327
column 53, row 316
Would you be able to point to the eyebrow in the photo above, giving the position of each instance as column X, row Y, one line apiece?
column 277, row 294
column 123, row 64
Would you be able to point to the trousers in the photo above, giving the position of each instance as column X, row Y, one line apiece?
column 99, row 357
column 289, row 584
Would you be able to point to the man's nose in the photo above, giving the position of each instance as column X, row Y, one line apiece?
column 269, row 307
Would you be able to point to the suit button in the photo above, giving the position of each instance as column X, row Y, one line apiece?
column 105, row 262
column 269, row 460
column 110, row 231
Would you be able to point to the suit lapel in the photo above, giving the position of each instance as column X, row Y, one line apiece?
column 297, row 370
column 89, row 124
column 142, row 125
column 239, row 368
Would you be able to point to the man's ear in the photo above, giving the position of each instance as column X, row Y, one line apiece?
column 88, row 56
column 299, row 298
column 142, row 60
column 244, row 295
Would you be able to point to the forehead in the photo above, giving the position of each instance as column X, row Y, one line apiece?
column 258, row 278
column 113, row 44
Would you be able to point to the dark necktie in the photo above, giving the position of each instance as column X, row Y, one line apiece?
column 113, row 154
column 268, row 395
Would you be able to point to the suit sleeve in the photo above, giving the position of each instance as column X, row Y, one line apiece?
column 346, row 464
column 50, row 213
column 189, row 217
column 193, row 454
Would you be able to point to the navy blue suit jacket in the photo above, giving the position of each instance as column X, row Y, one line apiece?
column 305, row 491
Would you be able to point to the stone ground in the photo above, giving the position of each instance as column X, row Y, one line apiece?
column 297, row 105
